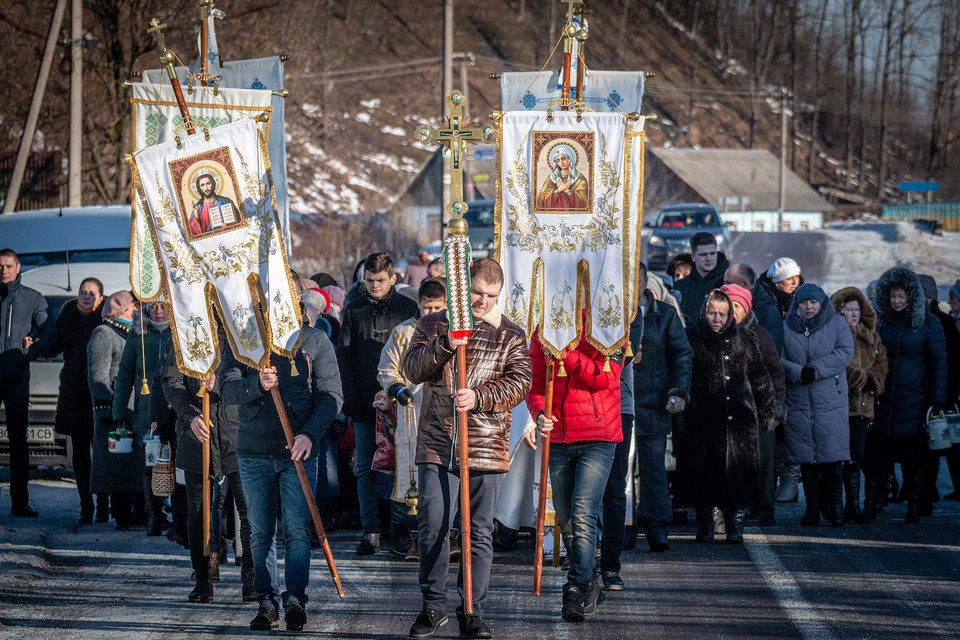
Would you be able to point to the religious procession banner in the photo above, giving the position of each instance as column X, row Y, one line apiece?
column 156, row 119
column 568, row 218
column 256, row 74
column 212, row 216
column 603, row 91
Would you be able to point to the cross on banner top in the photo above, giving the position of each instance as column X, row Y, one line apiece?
column 454, row 136
column 158, row 29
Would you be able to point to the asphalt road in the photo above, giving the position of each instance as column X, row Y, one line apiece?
column 887, row 580
column 759, row 250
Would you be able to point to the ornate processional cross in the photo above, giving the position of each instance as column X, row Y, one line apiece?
column 454, row 135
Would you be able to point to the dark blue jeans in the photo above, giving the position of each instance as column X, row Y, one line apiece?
column 615, row 502
column 267, row 482
column 367, row 494
column 578, row 476
column 653, row 492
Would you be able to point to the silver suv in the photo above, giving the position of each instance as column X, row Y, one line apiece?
column 674, row 225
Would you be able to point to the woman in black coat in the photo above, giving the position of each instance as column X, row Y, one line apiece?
column 77, row 320
column 916, row 383
column 731, row 399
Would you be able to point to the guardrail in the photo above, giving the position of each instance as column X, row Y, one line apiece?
column 947, row 213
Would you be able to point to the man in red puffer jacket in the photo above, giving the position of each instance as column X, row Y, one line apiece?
column 583, row 433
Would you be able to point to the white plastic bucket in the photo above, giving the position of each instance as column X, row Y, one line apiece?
column 953, row 422
column 938, row 432
column 151, row 450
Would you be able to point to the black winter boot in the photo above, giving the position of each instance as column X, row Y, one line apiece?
column 86, row 509
column 913, row 480
column 851, row 485
column 873, row 492
column 811, row 491
column 734, row 521
column 103, row 508
column 832, row 474
column 704, row 524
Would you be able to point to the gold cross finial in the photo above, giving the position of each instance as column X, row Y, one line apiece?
column 158, row 29
column 455, row 135
column 571, row 6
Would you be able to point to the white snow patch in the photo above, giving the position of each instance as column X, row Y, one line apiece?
column 859, row 251
column 312, row 110
column 363, row 117
column 373, row 103
column 394, row 131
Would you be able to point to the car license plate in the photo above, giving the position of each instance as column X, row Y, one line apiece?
column 34, row 434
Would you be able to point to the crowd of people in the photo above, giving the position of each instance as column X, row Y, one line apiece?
column 735, row 389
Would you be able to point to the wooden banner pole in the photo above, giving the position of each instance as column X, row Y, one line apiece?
column 465, row 560
column 544, row 475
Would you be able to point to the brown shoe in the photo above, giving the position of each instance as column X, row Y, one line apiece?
column 214, row 568
column 454, row 546
column 413, row 553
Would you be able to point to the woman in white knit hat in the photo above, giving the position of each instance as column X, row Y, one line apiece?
column 781, row 280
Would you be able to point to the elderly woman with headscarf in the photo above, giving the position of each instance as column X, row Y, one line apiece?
column 817, row 347
column 111, row 473
column 141, row 353
column 916, row 385
column 731, row 400
column 866, row 375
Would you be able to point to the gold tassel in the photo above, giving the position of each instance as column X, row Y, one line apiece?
column 561, row 373
column 145, row 389
column 293, row 369
column 628, row 351
column 606, row 365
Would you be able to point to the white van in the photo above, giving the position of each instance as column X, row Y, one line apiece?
column 57, row 251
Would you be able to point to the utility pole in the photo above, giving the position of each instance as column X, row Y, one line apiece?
column 76, row 102
column 783, row 159
column 447, row 90
column 23, row 152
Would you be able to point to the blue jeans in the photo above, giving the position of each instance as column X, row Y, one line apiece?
column 578, row 476
column 366, row 438
column 653, row 492
column 267, row 482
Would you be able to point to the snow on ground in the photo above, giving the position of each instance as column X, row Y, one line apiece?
column 859, row 251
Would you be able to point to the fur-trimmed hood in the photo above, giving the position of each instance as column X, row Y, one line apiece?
column 866, row 328
column 916, row 300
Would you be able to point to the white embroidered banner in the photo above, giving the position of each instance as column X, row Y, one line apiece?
column 258, row 74
column 212, row 217
column 617, row 90
column 569, row 214
column 156, row 118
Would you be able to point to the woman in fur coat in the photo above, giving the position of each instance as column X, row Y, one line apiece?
column 817, row 347
column 916, row 383
column 731, row 399
column 866, row 375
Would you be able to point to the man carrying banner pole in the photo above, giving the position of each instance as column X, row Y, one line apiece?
column 498, row 377
column 214, row 272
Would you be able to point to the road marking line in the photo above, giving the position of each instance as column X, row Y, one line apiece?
column 785, row 588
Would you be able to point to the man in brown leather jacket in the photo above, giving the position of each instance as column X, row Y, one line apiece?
column 498, row 379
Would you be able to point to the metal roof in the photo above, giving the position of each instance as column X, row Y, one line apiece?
column 739, row 173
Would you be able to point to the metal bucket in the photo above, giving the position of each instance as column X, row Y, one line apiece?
column 938, row 432
column 120, row 445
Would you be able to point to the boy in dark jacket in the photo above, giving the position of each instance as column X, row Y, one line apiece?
column 367, row 323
